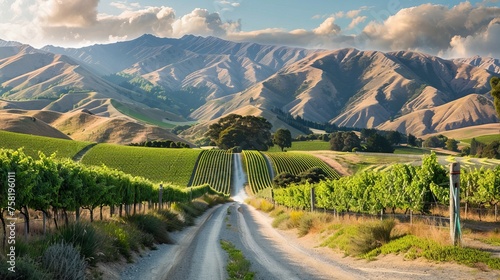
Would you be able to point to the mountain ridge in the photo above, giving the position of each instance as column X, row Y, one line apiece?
column 204, row 78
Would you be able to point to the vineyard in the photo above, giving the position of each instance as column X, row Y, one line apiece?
column 257, row 170
column 32, row 144
column 295, row 163
column 402, row 187
column 214, row 168
column 311, row 145
column 156, row 164
column 47, row 183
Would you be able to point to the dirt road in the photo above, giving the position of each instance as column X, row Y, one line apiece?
column 273, row 254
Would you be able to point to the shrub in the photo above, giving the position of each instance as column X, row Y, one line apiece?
column 266, row 206
column 82, row 236
column 279, row 219
column 151, row 224
column 295, row 217
column 26, row 268
column 305, row 225
column 371, row 236
column 171, row 220
column 64, row 262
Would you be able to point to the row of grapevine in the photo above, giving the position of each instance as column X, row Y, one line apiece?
column 295, row 163
column 156, row 164
column 64, row 185
column 64, row 148
column 214, row 168
column 401, row 187
column 257, row 170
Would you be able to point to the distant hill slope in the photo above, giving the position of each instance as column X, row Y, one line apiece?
column 218, row 66
column 83, row 126
column 156, row 80
column 366, row 89
column 28, row 125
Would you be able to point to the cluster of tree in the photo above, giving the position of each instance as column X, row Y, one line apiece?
column 295, row 122
column 438, row 141
column 303, row 125
column 247, row 132
column 282, row 138
column 179, row 128
column 161, row 144
column 403, row 186
column 322, row 137
column 62, row 186
column 480, row 149
column 495, row 92
column 394, row 137
column 312, row 175
column 374, row 142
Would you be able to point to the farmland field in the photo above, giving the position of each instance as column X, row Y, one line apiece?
column 214, row 168
column 157, row 164
column 257, row 170
column 139, row 116
column 315, row 145
column 358, row 162
column 296, row 162
column 484, row 139
column 32, row 144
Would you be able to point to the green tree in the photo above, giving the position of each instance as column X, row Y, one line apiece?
column 351, row 141
column 283, row 138
column 492, row 150
column 249, row 132
column 495, row 92
column 379, row 144
column 394, row 137
column 367, row 132
column 435, row 142
column 344, row 141
column 452, row 144
column 412, row 140
column 336, row 141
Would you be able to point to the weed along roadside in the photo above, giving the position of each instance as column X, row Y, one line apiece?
column 368, row 238
column 68, row 245
column 103, row 249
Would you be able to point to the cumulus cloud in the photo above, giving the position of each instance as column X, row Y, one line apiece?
column 127, row 25
column 328, row 27
column 356, row 21
column 484, row 43
column 202, row 22
column 66, row 25
column 461, row 30
column 429, row 28
column 326, row 35
column 71, row 13
column 17, row 7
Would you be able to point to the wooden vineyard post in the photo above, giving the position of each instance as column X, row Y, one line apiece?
column 455, row 228
column 160, row 196
column 313, row 199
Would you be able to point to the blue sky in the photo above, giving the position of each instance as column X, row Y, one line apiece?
column 445, row 28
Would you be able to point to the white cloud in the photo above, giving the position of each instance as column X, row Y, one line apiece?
column 483, row 43
column 328, row 27
column 356, row 21
column 462, row 30
column 429, row 28
column 71, row 13
column 17, row 7
column 353, row 13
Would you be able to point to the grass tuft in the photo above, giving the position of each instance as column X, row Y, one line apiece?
column 238, row 267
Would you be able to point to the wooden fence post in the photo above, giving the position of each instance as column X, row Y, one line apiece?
column 313, row 200
column 160, row 197
column 455, row 230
